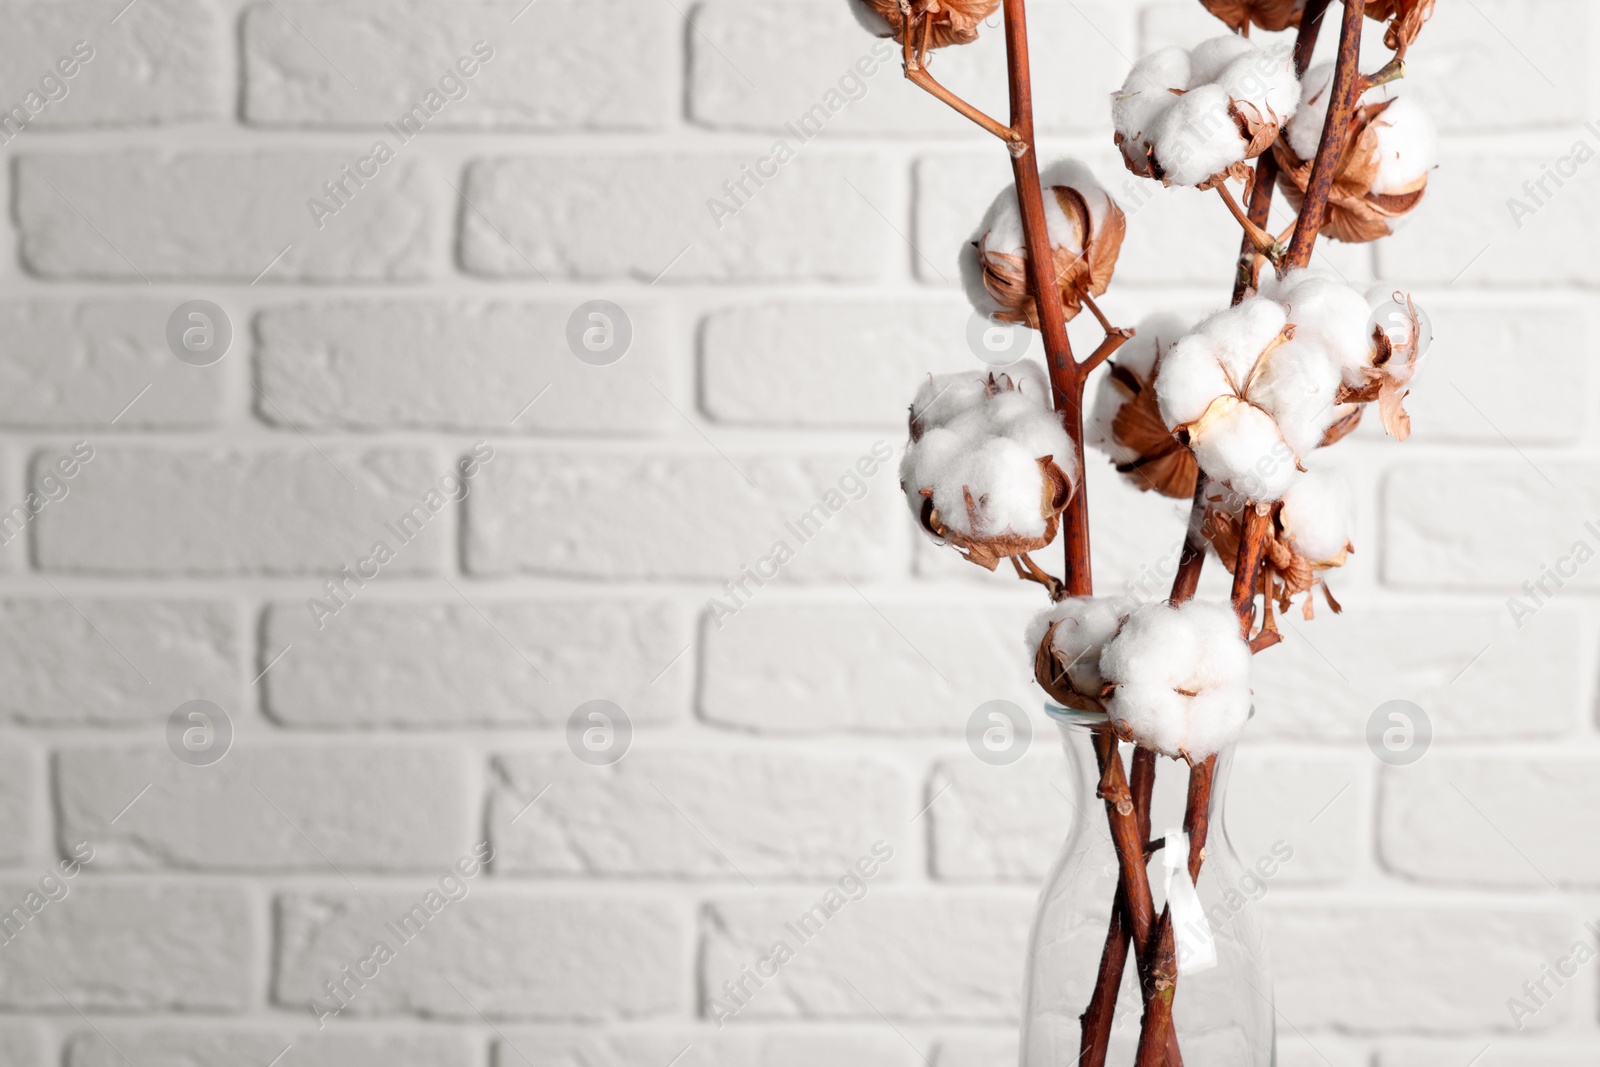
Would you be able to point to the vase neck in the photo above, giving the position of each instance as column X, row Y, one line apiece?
column 1170, row 797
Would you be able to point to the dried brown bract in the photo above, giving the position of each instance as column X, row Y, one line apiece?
column 1086, row 232
column 1151, row 456
column 1271, row 15
column 1405, row 18
column 934, row 23
column 1397, row 361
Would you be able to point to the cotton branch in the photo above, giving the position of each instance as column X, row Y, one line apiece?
column 1066, row 377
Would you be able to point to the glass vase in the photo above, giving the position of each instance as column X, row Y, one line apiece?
column 1222, row 1013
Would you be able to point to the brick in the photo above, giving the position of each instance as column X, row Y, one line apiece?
column 732, row 1047
column 610, row 72
column 246, row 510
column 519, row 663
column 1463, row 666
column 767, row 66
column 114, row 662
column 83, row 364
column 161, row 63
column 1002, row 824
column 270, row 807
column 1502, row 821
column 1466, row 394
column 171, row 1047
column 597, row 958
column 829, row 363
column 1368, row 968
column 1293, row 820
column 1438, row 533
column 1314, row 805
column 1502, row 1053
column 1174, row 236
column 380, row 364
column 1504, row 65
column 1519, row 236
column 969, row 972
column 125, row 946
column 143, row 215
column 1320, row 1050
column 653, row 218
column 892, row 666
column 578, row 515
column 976, row 1050
column 725, row 815
column 22, row 795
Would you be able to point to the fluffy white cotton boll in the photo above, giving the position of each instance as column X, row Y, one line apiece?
column 1243, row 332
column 1408, row 146
column 1304, row 131
column 1319, row 516
column 1146, row 94
column 1209, row 58
column 1181, row 678
column 1197, row 137
column 1073, row 174
column 1298, row 385
column 945, row 396
column 1007, row 490
column 1191, row 378
column 1241, row 446
column 1086, row 624
column 925, row 460
column 1326, row 310
column 1031, row 379
column 1264, row 79
column 1216, row 359
column 1040, row 434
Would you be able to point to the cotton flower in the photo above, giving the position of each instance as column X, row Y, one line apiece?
column 1310, row 532
column 1383, row 171
column 1085, row 227
column 1272, row 15
column 989, row 467
column 1178, row 678
column 1194, row 117
column 1066, row 641
column 948, row 21
column 1377, row 339
column 1252, row 396
column 1126, row 422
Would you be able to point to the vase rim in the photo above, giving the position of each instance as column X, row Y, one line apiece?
column 1090, row 719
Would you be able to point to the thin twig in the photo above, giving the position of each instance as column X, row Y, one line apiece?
column 920, row 77
column 1029, row 571
column 1258, row 237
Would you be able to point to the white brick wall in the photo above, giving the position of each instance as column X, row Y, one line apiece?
column 375, row 748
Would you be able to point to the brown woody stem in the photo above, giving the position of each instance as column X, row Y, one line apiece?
column 1193, row 558
column 1252, row 550
column 1335, row 129
column 1066, row 378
